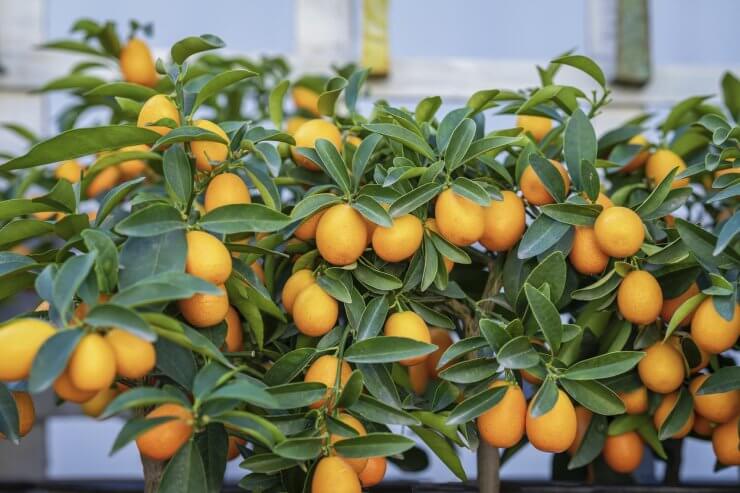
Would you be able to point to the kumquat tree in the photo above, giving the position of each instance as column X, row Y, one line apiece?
column 318, row 291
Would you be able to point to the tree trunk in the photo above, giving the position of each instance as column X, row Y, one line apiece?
column 488, row 469
column 153, row 470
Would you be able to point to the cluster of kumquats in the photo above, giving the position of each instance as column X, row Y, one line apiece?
column 426, row 252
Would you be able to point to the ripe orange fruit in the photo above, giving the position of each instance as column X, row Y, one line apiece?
column 400, row 241
column 66, row 390
column 538, row 126
column 554, row 431
column 374, row 472
column 226, row 189
column 583, row 420
column 26, row 412
column 207, row 257
column 357, row 464
column 296, row 283
column 205, row 310
column 502, row 426
column 664, row 409
column 604, row 201
column 440, row 338
column 137, row 64
column 163, row 441
column 20, row 340
column 503, row 222
column 324, row 370
column 431, row 224
column 619, row 232
column 307, row 229
column 726, row 443
column 635, row 401
column 69, row 170
column 233, row 451
column 720, row 407
column 534, row 189
column 133, row 168
column 639, row 297
column 333, row 475
column 135, row 357
column 412, row 326
column 623, row 453
column 419, row 378
column 315, row 312
column 585, row 254
column 306, row 99
column 662, row 369
column 710, row 331
column 702, row 426
column 206, row 151
column 341, row 235
column 234, row 334
column 95, row 406
column 661, row 163
column 293, row 123
column 671, row 305
column 92, row 365
column 640, row 157
column 459, row 219
column 103, row 181
column 307, row 135
column 157, row 108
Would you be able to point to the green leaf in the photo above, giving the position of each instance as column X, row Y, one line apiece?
column 380, row 412
column 470, row 371
column 414, row 199
column 9, row 420
column 426, row 108
column 144, row 257
column 549, row 175
column 442, row 449
column 465, row 187
column 289, row 366
column 361, row 158
column 110, row 315
column 648, row 433
column 490, row 144
column 518, row 353
column 584, row 64
column 300, row 394
column 725, row 379
column 126, row 90
column 191, row 45
column 52, row 358
column 151, row 221
column 579, row 144
column 68, row 280
column 333, row 164
column 212, row 444
column 460, row 348
column 376, row 279
column 166, row 286
column 543, row 233
column 299, row 448
column 546, row 315
column 178, row 173
column 459, row 143
column 592, row 443
column 373, row 445
column 351, row 391
column 675, row 117
column 240, row 218
column 80, row 142
column 354, row 85
column 604, row 365
column 595, row 396
column 702, row 245
column 267, row 463
column 573, row 214
column 220, row 82
column 447, row 249
column 679, row 414
column 115, row 196
column 335, row 288
column 682, row 312
column 106, row 258
column 657, row 196
column 385, row 349
column 186, row 134
column 313, row 203
column 328, row 98
column 135, row 427
column 275, row 102
column 481, row 100
column 474, row 406
column 140, row 397
column 730, row 229
column 599, row 289
column 248, row 391
column 184, row 472
column 373, row 318
column 545, row 398
column 402, row 135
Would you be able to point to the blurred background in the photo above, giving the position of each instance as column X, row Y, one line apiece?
column 655, row 53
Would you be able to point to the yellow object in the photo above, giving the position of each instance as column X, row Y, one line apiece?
column 639, row 297
column 710, row 331
column 411, row 326
column 304, row 99
column 334, row 475
column 585, row 255
column 92, row 366
column 103, row 181
column 137, row 63
column 66, row 390
column 664, row 409
column 635, row 401
column 400, row 241
column 504, row 222
column 431, row 224
column 459, row 219
column 207, row 257
column 307, row 135
column 226, row 189
column 662, row 369
column 307, row 229
column 374, row 471
column 419, row 378
column 234, row 334
column 207, row 151
column 135, row 357
column 356, row 464
column 324, row 370
column 640, row 157
column 341, row 235
column 502, row 426
column 718, row 408
column 671, row 305
column 296, row 283
column 661, row 163
column 583, row 419
column 155, row 109
column 554, row 431
column 162, row 441
column 20, row 340
column 315, row 312
column 619, row 232
column 440, row 338
column 623, row 453
column 726, row 443
column 133, row 168
column 95, row 406
column 69, row 170
column 205, row 310
column 534, row 189
column 375, row 37
column 537, row 126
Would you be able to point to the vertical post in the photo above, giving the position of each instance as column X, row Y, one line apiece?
column 324, row 33
column 375, row 42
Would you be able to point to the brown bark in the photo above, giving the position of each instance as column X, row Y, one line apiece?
column 153, row 470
